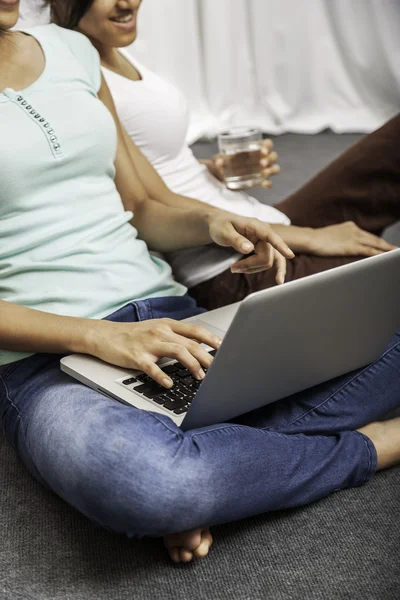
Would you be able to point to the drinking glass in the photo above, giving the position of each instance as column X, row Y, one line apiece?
column 241, row 149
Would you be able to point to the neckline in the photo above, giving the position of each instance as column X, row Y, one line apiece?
column 42, row 75
column 129, row 59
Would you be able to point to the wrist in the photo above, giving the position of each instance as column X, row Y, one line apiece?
column 302, row 240
column 308, row 240
column 212, row 217
column 312, row 241
column 211, row 214
column 88, row 333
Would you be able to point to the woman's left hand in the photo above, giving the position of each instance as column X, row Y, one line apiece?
column 346, row 239
column 251, row 236
column 268, row 165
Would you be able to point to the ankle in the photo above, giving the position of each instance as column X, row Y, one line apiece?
column 385, row 436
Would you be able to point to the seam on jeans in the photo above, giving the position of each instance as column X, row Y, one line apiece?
column 11, row 368
column 372, row 459
column 150, row 309
column 138, row 310
column 344, row 385
column 143, row 309
column 181, row 434
column 9, row 399
column 136, row 307
column 157, row 417
column 8, row 370
column 369, row 457
column 19, row 416
column 226, row 428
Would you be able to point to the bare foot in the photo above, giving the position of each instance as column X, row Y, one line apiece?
column 185, row 546
column 385, row 435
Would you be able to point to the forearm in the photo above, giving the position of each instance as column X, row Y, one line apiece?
column 166, row 228
column 185, row 203
column 155, row 187
column 166, row 221
column 27, row 330
column 299, row 239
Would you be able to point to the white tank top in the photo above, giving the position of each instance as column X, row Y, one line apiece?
column 156, row 116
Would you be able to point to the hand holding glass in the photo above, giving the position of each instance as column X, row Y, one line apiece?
column 241, row 150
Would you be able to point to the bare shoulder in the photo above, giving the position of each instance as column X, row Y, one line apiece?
column 25, row 62
column 29, row 47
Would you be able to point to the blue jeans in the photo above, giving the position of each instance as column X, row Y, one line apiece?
column 136, row 472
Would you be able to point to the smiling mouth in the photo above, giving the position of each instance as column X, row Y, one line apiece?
column 126, row 18
column 9, row 3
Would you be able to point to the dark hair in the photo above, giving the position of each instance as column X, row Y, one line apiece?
column 68, row 13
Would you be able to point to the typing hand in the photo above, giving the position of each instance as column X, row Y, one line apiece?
column 141, row 345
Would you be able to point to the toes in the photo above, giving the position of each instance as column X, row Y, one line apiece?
column 190, row 539
column 202, row 550
column 187, row 539
column 175, row 554
column 185, row 555
column 205, row 545
column 180, row 555
column 183, row 547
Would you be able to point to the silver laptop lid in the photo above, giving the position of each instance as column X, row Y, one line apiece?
column 295, row 336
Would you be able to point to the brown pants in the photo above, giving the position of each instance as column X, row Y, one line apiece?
column 362, row 185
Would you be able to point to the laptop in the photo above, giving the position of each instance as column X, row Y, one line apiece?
column 275, row 343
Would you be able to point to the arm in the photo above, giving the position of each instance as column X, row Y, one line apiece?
column 176, row 224
column 131, row 346
column 27, row 330
column 138, row 190
column 170, row 222
column 341, row 239
column 155, row 186
column 298, row 238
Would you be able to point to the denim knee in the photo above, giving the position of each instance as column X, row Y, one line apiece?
column 142, row 477
column 163, row 490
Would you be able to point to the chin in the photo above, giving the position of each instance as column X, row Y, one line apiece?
column 9, row 21
column 126, row 39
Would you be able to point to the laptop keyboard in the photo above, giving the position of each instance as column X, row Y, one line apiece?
column 178, row 398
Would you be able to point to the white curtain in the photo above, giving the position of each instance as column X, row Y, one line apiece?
column 282, row 65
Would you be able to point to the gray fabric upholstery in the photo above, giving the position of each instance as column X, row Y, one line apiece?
column 344, row 547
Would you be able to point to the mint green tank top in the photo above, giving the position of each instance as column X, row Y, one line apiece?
column 66, row 244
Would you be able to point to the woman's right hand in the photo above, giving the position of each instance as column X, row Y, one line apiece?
column 268, row 165
column 141, row 345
